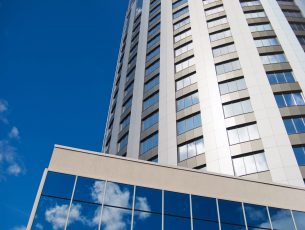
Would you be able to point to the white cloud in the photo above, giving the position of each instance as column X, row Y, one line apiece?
column 14, row 133
column 14, row 169
column 56, row 216
column 143, row 205
column 20, row 228
column 3, row 106
column 113, row 218
column 39, row 226
column 10, row 163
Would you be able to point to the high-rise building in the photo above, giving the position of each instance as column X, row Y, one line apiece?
column 206, row 126
column 213, row 85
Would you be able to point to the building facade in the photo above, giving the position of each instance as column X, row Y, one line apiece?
column 213, row 85
column 83, row 190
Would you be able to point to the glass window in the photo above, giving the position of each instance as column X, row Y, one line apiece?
column 184, row 49
column 220, row 35
column 177, row 204
column 149, row 200
column 217, row 22
column 149, row 143
column 51, row 214
column 187, row 101
column 299, row 218
column 84, row 216
column 182, row 35
column 152, row 100
column 260, row 27
column 186, row 81
column 181, row 23
column 147, row 221
column 118, row 195
column 53, row 179
column 231, row 212
column 185, row 64
column 243, row 134
column 214, row 10
column 189, row 123
column 231, row 227
column 222, row 50
column 227, row 67
column 89, row 190
column 174, row 222
column 204, row 208
column 232, row 86
column 257, row 216
column 281, row 219
column 289, row 99
column 150, row 69
column 115, row 218
column 237, row 108
column 123, row 142
column 180, row 12
column 250, row 164
column 150, row 121
column 151, row 83
column 299, row 153
column 179, row 3
column 294, row 125
column 203, row 224
column 191, row 149
column 273, row 58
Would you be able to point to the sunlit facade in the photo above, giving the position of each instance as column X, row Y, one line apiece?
column 86, row 190
column 212, row 85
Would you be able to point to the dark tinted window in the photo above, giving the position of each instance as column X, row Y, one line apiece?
column 89, row 190
column 202, row 224
column 204, row 208
column 231, row 212
column 59, row 185
column 299, row 218
column 115, row 218
column 257, row 216
column 281, row 219
column 119, row 195
column 148, row 200
column 176, row 223
column 176, row 204
column 147, row 221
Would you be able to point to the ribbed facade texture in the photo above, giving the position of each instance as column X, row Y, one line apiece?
column 213, row 85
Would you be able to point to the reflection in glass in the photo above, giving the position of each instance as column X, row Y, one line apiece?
column 149, row 200
column 232, row 227
column 115, row 219
column 202, row 225
column 177, row 223
column 176, row 204
column 89, row 190
column 51, row 214
column 204, row 208
column 299, row 218
column 231, row 212
column 84, row 216
column 53, row 185
column 119, row 195
column 281, row 219
column 147, row 221
column 257, row 216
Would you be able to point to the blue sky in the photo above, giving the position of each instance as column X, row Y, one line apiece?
column 57, row 62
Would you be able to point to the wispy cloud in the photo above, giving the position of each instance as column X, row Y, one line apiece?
column 112, row 218
column 14, row 133
column 10, row 161
column 19, row 228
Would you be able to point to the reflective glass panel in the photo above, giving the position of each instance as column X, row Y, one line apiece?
column 281, row 219
column 147, row 221
column 119, row 195
column 51, row 214
column 176, row 204
column 115, row 219
column 202, row 225
column 231, row 212
column 89, row 190
column 232, row 227
column 256, row 216
column 84, row 216
column 148, row 200
column 54, row 185
column 299, row 218
column 204, row 208
column 177, row 223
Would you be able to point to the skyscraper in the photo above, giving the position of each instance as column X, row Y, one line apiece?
column 206, row 125
column 214, row 85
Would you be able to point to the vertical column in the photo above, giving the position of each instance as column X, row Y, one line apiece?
column 218, row 157
column 167, row 109
column 274, row 137
column 137, row 100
